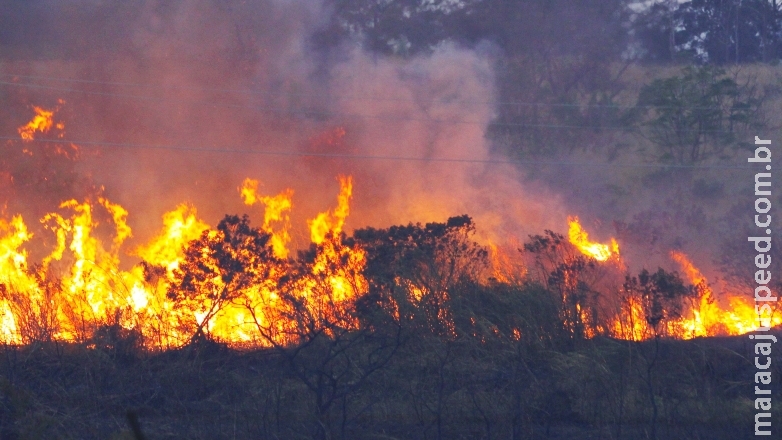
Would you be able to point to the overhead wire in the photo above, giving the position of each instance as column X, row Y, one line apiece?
column 343, row 97
column 330, row 114
column 233, row 150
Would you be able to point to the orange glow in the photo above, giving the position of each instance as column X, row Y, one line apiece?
column 707, row 317
column 580, row 239
column 631, row 324
column 332, row 221
column 704, row 316
column 80, row 287
column 506, row 264
column 42, row 122
column 276, row 220
column 81, row 284
column 180, row 227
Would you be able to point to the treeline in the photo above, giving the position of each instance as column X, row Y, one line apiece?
column 434, row 348
column 712, row 31
column 563, row 68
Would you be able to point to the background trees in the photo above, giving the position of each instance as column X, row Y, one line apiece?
column 710, row 31
column 698, row 114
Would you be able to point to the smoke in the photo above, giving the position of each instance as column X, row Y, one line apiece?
column 229, row 88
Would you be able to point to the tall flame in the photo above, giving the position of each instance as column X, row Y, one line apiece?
column 275, row 214
column 332, row 221
column 79, row 285
column 180, row 227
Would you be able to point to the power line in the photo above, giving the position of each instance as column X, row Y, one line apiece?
column 343, row 97
column 327, row 114
column 371, row 157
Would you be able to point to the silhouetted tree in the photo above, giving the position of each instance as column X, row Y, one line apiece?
column 219, row 267
column 662, row 296
column 316, row 327
column 416, row 266
column 711, row 31
column 571, row 278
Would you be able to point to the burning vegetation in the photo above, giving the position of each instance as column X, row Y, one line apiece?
column 238, row 284
column 132, row 287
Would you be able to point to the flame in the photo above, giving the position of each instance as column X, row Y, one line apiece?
column 705, row 316
column 631, row 324
column 708, row 318
column 13, row 273
column 79, row 286
column 503, row 267
column 332, row 221
column 180, row 227
column 344, row 282
column 42, row 122
column 275, row 213
column 580, row 239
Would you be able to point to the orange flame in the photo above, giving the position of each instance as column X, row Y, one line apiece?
column 42, row 122
column 332, row 221
column 580, row 239
column 708, row 318
column 276, row 212
column 79, row 286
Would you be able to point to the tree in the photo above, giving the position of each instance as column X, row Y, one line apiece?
column 572, row 279
column 321, row 335
column 731, row 31
column 403, row 27
column 654, row 31
column 219, row 267
column 662, row 296
column 559, row 78
column 697, row 115
column 416, row 266
column 711, row 31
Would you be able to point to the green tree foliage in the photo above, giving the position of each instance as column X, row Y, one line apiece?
column 697, row 115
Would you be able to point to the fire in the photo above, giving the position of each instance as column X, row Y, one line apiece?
column 332, row 221
column 42, row 122
column 180, row 227
column 275, row 213
column 13, row 273
column 79, row 286
column 708, row 318
column 580, row 239
column 631, row 323
column 704, row 316
column 346, row 281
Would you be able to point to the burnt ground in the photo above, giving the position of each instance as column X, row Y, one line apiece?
column 589, row 391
